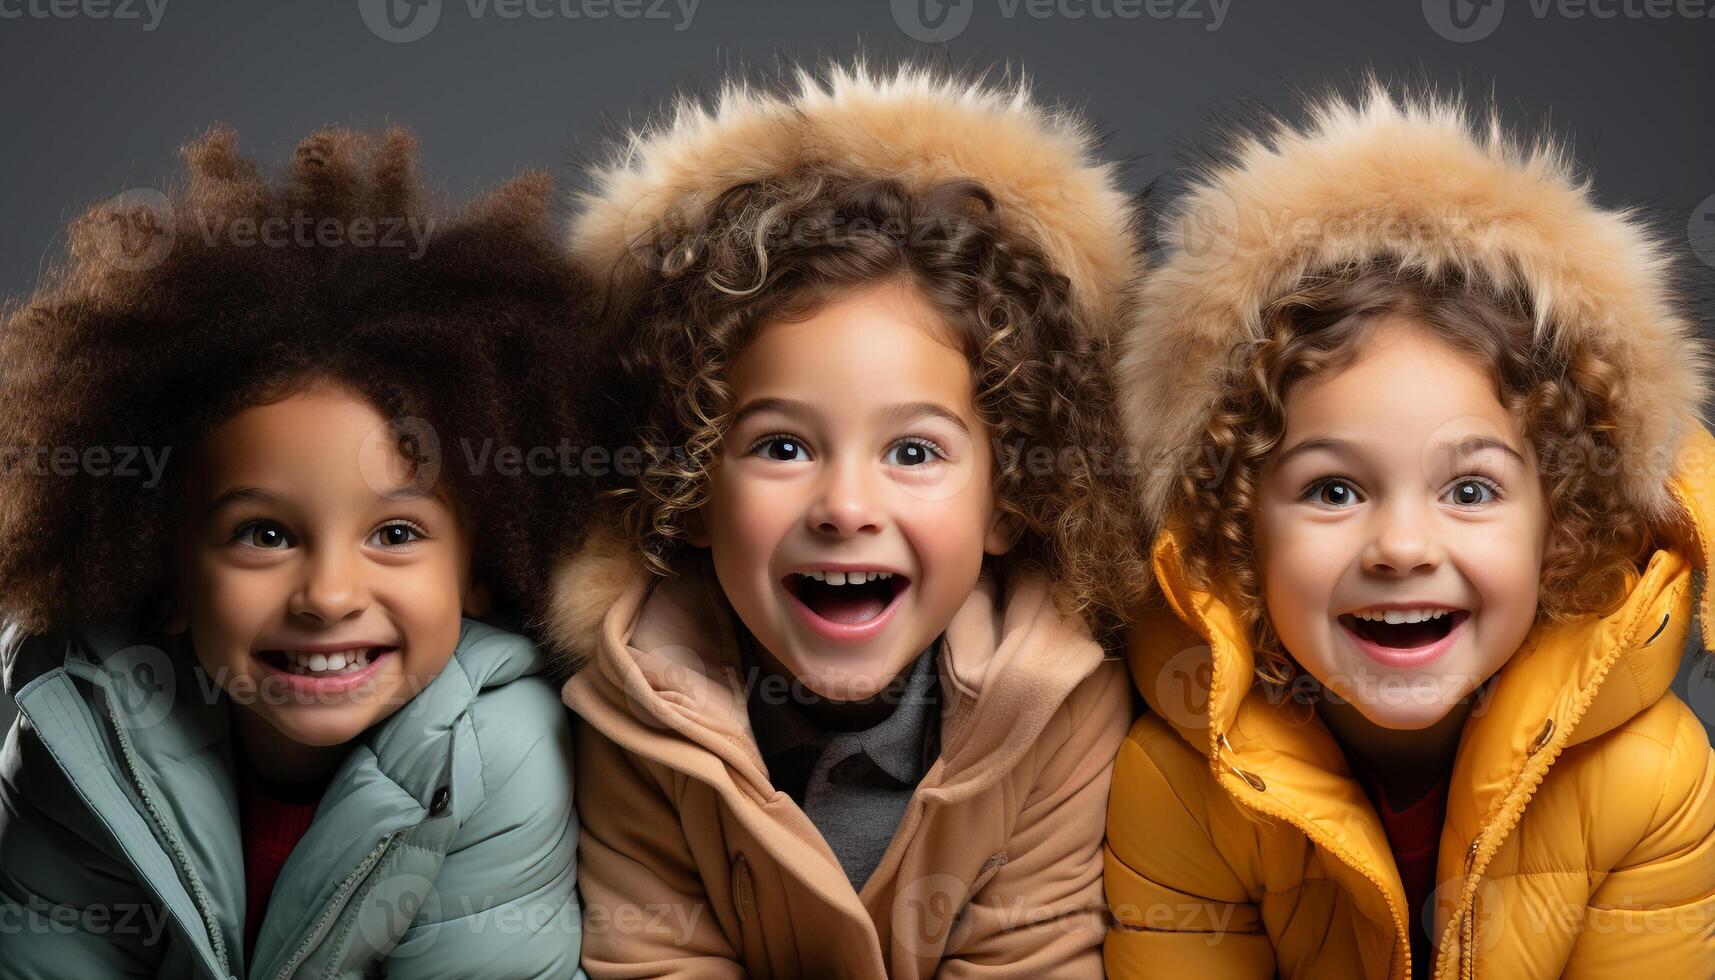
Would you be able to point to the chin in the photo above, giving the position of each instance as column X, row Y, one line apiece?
column 321, row 733
column 1406, row 721
column 839, row 685
column 1412, row 709
column 836, row 677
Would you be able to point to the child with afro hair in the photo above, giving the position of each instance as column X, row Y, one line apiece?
column 271, row 443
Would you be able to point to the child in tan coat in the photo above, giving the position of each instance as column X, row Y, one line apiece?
column 844, row 708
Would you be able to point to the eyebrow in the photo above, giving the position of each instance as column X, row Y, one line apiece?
column 893, row 413
column 1466, row 447
column 248, row 494
column 239, row 495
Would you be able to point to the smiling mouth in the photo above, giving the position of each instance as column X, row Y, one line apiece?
column 1405, row 635
column 850, row 604
column 306, row 664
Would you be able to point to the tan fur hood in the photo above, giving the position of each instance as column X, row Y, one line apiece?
column 584, row 586
column 1424, row 184
column 915, row 125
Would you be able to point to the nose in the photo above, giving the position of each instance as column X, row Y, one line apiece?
column 331, row 589
column 845, row 504
column 1403, row 542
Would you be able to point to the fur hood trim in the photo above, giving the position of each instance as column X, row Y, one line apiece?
column 916, row 125
column 1424, row 184
column 585, row 584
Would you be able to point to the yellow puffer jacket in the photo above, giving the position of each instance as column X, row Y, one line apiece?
column 1580, row 830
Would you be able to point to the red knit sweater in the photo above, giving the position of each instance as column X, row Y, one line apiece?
column 270, row 828
column 1414, row 836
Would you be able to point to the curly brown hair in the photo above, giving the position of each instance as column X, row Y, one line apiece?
column 1562, row 399
column 776, row 250
column 175, row 310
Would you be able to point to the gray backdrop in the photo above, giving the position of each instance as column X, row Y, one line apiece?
column 100, row 92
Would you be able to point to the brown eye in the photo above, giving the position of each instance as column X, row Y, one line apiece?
column 912, row 452
column 780, row 448
column 262, row 535
column 1472, row 493
column 1333, row 493
column 396, row 535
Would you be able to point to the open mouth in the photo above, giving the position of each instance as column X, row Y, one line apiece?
column 343, row 663
column 846, row 598
column 1404, row 629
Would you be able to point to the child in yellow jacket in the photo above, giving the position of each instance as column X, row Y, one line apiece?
column 843, row 711
column 1420, row 421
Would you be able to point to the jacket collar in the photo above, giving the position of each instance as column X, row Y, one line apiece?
column 897, row 744
column 654, row 679
column 1010, row 658
column 170, row 720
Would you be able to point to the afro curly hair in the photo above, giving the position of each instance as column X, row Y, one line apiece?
column 175, row 310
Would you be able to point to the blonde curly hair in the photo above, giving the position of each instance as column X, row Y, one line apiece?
column 1563, row 400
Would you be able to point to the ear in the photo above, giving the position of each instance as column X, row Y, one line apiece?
column 1002, row 534
column 173, row 619
column 696, row 529
column 477, row 600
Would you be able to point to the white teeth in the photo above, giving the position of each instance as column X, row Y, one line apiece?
column 846, row 578
column 346, row 662
column 1396, row 616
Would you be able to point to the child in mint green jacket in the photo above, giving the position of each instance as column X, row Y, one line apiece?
column 264, row 468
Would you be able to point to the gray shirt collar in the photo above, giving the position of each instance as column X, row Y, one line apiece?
column 898, row 744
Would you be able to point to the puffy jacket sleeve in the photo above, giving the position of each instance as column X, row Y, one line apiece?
column 505, row 902
column 646, row 911
column 1041, row 913
column 1653, row 914
column 69, row 903
column 1179, row 907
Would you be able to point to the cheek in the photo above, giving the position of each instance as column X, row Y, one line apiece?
column 746, row 518
column 947, row 537
column 225, row 605
column 1504, row 566
column 426, row 596
column 1300, row 567
column 424, row 601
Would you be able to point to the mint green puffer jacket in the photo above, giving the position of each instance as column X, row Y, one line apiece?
column 445, row 845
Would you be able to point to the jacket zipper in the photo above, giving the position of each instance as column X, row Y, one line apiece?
column 175, row 847
column 1251, row 780
column 336, row 903
column 1468, row 922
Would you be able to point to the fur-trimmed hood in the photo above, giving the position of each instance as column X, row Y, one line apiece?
column 586, row 583
column 915, row 125
column 1423, row 184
